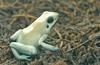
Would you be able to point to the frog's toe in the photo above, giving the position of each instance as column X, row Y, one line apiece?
column 55, row 49
column 28, row 59
column 24, row 57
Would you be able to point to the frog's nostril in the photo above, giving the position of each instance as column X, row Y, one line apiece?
column 47, row 26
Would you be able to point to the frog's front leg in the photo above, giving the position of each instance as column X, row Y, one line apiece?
column 47, row 46
column 21, row 51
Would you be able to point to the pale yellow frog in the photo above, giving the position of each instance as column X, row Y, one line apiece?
column 28, row 39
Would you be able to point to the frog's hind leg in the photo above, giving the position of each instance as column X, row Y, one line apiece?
column 26, row 50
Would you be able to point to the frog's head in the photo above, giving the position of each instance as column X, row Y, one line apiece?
column 48, row 19
column 44, row 23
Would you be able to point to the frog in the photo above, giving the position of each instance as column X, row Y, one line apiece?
column 25, row 42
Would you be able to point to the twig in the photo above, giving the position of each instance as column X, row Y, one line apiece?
column 94, row 35
column 19, row 15
column 57, row 33
column 3, row 46
column 16, row 1
column 4, row 5
column 6, row 27
column 24, row 15
column 13, row 20
column 4, row 13
column 78, row 46
column 1, row 2
column 62, row 43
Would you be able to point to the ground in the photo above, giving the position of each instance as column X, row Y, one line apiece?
column 76, row 33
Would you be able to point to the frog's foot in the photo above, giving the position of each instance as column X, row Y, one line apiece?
column 21, row 57
column 49, row 47
column 26, row 50
column 24, row 57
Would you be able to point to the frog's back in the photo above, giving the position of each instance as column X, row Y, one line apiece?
column 31, row 34
column 29, row 38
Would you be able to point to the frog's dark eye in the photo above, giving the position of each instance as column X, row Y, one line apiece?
column 50, row 19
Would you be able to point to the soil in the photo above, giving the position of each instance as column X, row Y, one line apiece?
column 76, row 33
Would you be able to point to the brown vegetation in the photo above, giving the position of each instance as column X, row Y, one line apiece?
column 77, row 32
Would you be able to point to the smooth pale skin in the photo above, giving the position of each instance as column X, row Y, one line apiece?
column 29, row 38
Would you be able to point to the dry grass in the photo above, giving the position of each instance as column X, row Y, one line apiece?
column 77, row 32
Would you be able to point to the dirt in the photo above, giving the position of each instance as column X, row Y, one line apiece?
column 76, row 33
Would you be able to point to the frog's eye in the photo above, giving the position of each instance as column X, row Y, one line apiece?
column 50, row 19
